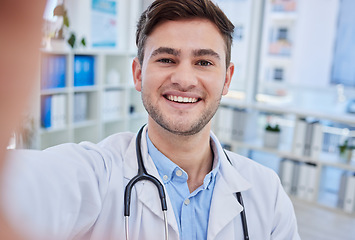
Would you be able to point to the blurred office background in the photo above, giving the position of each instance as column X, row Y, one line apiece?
column 291, row 106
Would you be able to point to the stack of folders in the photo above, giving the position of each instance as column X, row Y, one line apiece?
column 84, row 70
column 53, row 111
column 308, row 138
column 80, row 107
column 236, row 123
column 346, row 194
column 299, row 178
column 112, row 105
column 53, row 71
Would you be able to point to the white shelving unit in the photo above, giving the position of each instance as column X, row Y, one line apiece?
column 97, row 124
column 109, row 105
column 286, row 116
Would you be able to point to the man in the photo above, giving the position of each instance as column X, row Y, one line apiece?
column 76, row 191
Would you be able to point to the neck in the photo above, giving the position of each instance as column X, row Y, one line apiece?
column 191, row 153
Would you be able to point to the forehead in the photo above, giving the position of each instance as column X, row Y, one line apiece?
column 186, row 35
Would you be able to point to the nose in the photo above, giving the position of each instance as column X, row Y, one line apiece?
column 185, row 76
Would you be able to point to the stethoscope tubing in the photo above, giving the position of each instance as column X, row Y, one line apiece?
column 143, row 175
column 240, row 200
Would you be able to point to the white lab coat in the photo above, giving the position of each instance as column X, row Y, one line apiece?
column 76, row 191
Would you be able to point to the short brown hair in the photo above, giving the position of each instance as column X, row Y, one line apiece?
column 165, row 10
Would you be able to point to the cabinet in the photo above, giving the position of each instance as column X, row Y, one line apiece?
column 86, row 95
column 319, row 169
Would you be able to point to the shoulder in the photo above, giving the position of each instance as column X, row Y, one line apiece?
column 118, row 142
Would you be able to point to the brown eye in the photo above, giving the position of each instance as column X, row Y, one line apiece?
column 165, row 60
column 204, row 63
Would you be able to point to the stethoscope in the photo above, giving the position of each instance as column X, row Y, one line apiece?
column 143, row 175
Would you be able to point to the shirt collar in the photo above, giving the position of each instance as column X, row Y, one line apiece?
column 167, row 169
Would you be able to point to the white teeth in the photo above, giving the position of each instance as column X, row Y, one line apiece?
column 181, row 99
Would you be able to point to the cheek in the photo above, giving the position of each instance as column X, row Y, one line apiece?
column 214, row 83
column 150, row 82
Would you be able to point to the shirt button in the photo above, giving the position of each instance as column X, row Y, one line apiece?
column 165, row 177
column 187, row 201
column 179, row 173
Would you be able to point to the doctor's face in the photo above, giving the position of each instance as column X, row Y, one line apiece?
column 183, row 75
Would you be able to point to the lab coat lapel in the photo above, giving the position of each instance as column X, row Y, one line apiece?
column 147, row 193
column 224, row 204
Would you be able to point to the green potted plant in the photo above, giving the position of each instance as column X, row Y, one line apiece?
column 346, row 150
column 272, row 135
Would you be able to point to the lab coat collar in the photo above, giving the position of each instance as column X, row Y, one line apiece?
column 147, row 193
column 235, row 181
column 224, row 205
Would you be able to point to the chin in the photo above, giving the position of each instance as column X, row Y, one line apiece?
column 182, row 128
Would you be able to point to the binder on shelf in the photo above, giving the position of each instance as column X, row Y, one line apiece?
column 286, row 174
column 80, row 107
column 342, row 189
column 300, row 134
column 302, row 181
column 317, row 140
column 243, row 124
column 111, row 108
column 237, row 124
column 346, row 197
column 307, row 181
column 46, row 103
column 311, row 182
column 53, row 71
column 295, row 177
column 349, row 200
column 84, row 70
column 58, row 111
column 308, row 139
column 53, row 111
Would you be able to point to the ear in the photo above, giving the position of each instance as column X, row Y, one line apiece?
column 229, row 75
column 137, row 74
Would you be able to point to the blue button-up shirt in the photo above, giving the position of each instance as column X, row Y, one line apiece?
column 191, row 209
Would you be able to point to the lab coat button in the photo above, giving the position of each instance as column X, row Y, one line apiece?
column 165, row 177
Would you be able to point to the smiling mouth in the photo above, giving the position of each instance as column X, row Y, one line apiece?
column 180, row 99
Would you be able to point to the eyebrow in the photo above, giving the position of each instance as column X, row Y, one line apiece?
column 206, row 52
column 166, row 50
column 175, row 52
